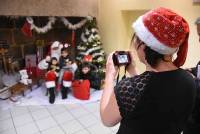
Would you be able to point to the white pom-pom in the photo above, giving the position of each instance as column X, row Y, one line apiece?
column 66, row 45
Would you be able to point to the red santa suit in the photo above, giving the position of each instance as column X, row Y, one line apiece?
column 50, row 85
column 67, row 82
column 54, row 52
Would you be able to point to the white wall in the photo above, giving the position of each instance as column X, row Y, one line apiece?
column 116, row 17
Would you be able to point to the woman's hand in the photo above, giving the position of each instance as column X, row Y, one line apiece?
column 111, row 70
column 109, row 109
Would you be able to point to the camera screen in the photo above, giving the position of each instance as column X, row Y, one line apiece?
column 122, row 58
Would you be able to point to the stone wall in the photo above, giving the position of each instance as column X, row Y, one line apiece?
column 49, row 7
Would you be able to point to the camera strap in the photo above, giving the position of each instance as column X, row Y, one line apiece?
column 124, row 76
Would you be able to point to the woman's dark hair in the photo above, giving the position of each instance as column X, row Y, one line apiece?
column 152, row 56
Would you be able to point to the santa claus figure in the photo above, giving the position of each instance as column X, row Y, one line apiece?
column 54, row 52
column 66, row 79
column 56, row 49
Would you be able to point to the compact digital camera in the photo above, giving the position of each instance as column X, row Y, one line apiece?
column 121, row 58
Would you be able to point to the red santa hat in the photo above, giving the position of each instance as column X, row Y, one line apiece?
column 50, row 79
column 164, row 32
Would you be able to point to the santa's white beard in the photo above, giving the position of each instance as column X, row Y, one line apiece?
column 56, row 53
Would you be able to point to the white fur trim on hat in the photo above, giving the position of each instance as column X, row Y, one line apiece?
column 148, row 38
column 50, row 84
column 67, row 83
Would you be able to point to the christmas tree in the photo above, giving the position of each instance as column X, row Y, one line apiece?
column 91, row 45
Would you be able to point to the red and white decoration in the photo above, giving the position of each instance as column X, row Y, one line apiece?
column 50, row 79
column 67, row 78
column 44, row 29
column 75, row 26
column 165, row 32
column 24, row 77
column 29, row 24
column 26, row 29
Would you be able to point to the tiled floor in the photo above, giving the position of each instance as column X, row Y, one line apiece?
column 54, row 119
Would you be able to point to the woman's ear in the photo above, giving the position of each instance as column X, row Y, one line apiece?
column 142, row 47
column 167, row 58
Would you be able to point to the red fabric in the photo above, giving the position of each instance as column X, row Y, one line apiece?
column 81, row 89
column 58, row 87
column 170, row 29
column 67, row 76
column 26, row 29
column 73, row 38
column 32, row 71
column 40, row 73
column 87, row 58
column 182, row 54
column 50, row 76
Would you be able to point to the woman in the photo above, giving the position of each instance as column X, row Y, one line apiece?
column 193, row 125
column 159, row 100
column 195, row 69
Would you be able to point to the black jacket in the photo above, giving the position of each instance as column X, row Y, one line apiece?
column 62, row 61
column 193, row 124
column 194, row 69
